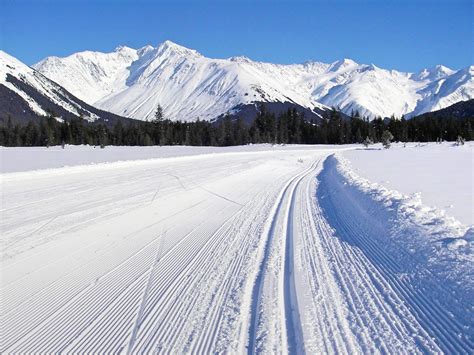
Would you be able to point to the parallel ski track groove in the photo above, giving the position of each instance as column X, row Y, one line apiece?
column 335, row 335
column 259, row 280
column 429, row 315
column 91, row 296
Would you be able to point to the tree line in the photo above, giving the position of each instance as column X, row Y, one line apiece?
column 289, row 127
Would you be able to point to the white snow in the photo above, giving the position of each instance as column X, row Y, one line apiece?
column 92, row 74
column 26, row 159
column 248, row 249
column 447, row 90
column 441, row 175
column 189, row 86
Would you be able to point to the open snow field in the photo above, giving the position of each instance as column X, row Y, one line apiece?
column 16, row 160
column 248, row 249
column 442, row 175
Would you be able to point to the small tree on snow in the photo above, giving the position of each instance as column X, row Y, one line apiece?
column 387, row 137
column 460, row 140
column 367, row 141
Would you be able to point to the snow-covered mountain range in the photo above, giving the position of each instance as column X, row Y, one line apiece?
column 26, row 94
column 132, row 82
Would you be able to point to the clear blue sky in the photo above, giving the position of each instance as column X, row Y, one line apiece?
column 404, row 35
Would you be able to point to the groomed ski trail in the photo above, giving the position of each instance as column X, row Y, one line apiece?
column 274, row 319
column 266, row 252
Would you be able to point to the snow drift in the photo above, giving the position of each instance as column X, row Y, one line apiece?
column 425, row 245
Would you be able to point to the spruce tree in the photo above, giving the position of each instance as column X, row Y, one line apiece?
column 159, row 116
column 386, row 139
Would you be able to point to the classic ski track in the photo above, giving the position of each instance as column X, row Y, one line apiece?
column 168, row 339
column 287, row 319
column 329, row 336
column 227, row 281
column 377, row 311
column 181, row 300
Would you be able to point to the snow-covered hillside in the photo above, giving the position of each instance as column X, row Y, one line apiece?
column 26, row 94
column 189, row 86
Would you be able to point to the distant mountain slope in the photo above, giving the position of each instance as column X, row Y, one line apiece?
column 463, row 109
column 186, row 84
column 446, row 91
column 189, row 86
column 26, row 94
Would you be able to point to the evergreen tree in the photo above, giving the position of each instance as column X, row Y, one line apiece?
column 159, row 116
column 367, row 141
column 386, row 138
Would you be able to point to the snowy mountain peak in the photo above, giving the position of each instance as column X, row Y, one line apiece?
column 444, row 69
column 343, row 64
column 171, row 48
column 123, row 48
column 5, row 56
column 27, row 93
column 90, row 75
column 125, row 51
column 144, row 50
column 434, row 73
column 372, row 67
column 240, row 59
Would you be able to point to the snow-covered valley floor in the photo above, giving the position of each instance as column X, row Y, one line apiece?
column 441, row 175
column 250, row 249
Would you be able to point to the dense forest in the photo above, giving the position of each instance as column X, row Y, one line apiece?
column 287, row 128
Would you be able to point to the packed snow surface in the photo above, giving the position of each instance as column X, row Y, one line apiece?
column 260, row 249
column 132, row 82
column 441, row 175
column 40, row 158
